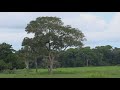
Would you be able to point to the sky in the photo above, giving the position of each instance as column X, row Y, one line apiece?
column 99, row 28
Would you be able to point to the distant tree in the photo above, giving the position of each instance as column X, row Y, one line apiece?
column 77, row 57
column 116, row 56
column 24, row 52
column 7, row 57
column 105, row 53
column 3, row 65
column 18, row 60
column 87, row 55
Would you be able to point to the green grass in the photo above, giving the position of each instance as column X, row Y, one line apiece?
column 78, row 72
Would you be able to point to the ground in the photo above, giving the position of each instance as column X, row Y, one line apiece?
column 78, row 72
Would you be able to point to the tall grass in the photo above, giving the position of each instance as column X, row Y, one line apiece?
column 78, row 72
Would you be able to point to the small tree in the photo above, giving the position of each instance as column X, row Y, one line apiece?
column 25, row 54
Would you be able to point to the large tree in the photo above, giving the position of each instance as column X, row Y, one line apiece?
column 53, row 36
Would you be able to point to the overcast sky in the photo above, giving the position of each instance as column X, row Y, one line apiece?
column 100, row 28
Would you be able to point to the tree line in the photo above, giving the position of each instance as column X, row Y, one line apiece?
column 72, row 57
column 52, row 47
column 86, row 56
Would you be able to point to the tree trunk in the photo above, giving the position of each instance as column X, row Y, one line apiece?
column 48, row 69
column 27, row 64
column 36, row 66
column 87, row 62
column 51, row 67
column 51, row 60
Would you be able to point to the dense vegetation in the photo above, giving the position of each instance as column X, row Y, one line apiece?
column 86, row 56
column 72, row 57
column 9, row 58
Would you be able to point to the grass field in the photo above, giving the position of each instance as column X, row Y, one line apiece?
column 79, row 72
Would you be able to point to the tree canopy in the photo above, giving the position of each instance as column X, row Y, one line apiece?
column 52, row 36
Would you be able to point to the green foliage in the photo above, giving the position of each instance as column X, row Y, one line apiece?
column 50, row 37
column 51, row 30
column 3, row 65
column 8, row 58
column 98, row 56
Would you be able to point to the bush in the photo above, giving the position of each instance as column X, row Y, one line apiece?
column 3, row 65
column 8, row 71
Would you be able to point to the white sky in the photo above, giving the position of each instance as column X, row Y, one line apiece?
column 97, row 27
